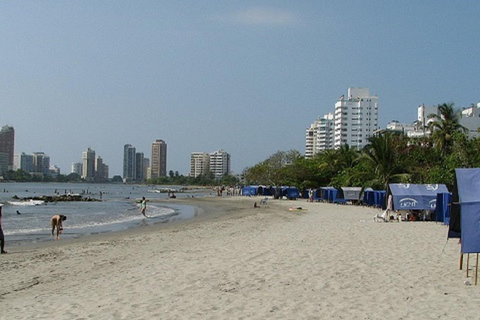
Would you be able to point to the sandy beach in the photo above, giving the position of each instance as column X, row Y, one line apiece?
column 238, row 262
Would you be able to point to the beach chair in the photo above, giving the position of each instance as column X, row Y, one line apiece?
column 264, row 201
column 381, row 216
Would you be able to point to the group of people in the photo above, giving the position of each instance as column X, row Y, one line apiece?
column 56, row 222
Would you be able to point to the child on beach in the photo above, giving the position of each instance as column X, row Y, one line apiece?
column 143, row 206
column 56, row 222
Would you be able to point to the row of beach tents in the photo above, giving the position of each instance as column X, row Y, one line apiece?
column 460, row 210
column 406, row 196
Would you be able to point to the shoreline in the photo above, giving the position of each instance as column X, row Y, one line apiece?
column 204, row 210
column 236, row 261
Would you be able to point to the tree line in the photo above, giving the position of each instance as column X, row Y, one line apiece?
column 388, row 158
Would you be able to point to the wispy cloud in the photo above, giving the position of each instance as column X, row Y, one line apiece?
column 262, row 16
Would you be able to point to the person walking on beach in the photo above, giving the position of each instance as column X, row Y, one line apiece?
column 143, row 206
column 2, row 236
column 56, row 222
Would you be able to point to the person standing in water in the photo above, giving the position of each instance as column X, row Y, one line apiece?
column 143, row 206
column 56, row 222
column 2, row 236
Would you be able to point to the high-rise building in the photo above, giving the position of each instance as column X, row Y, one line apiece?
column 7, row 143
column 319, row 136
column 146, row 166
column 219, row 163
column 199, row 164
column 24, row 162
column 101, row 170
column 77, row 168
column 41, row 163
column 129, row 165
column 88, row 165
column 356, row 118
column 159, row 159
column 139, row 170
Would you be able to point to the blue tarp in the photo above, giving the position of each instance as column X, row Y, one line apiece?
column 468, row 183
column 265, row 191
column 442, row 210
column 291, row 193
column 249, row 190
column 328, row 193
column 374, row 198
column 408, row 196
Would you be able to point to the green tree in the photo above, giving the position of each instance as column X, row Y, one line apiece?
column 382, row 161
column 444, row 126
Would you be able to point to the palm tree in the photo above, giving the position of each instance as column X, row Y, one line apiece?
column 382, row 157
column 347, row 157
column 445, row 124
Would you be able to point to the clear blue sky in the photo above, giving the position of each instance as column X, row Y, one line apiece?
column 245, row 76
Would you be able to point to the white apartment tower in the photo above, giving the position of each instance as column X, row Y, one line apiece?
column 88, row 165
column 356, row 118
column 319, row 136
column 219, row 163
column 159, row 159
column 77, row 168
column 199, row 164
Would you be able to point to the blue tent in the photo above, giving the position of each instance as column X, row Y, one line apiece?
column 408, row 196
column 291, row 193
column 468, row 183
column 375, row 198
column 328, row 193
column 442, row 210
column 265, row 191
column 250, row 190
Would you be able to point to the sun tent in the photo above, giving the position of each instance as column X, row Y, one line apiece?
column 291, row 193
column 351, row 193
column 468, row 183
column 265, row 191
column 409, row 196
column 375, row 198
column 249, row 190
column 442, row 210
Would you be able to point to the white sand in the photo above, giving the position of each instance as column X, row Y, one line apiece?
column 329, row 262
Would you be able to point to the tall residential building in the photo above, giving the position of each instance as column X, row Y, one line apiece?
column 41, row 163
column 101, row 170
column 88, row 165
column 146, row 167
column 77, row 168
column 199, row 164
column 219, row 163
column 24, row 162
column 159, row 159
column 7, row 143
column 129, row 167
column 356, row 118
column 319, row 136
column 139, row 169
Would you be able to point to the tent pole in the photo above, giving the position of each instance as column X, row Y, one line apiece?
column 476, row 272
column 468, row 260
column 461, row 260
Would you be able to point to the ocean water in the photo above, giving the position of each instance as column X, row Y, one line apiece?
column 118, row 210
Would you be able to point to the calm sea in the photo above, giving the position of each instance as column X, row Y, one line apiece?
column 117, row 211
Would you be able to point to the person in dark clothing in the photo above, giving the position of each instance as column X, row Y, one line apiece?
column 2, row 236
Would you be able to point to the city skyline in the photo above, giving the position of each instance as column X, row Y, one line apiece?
column 243, row 77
